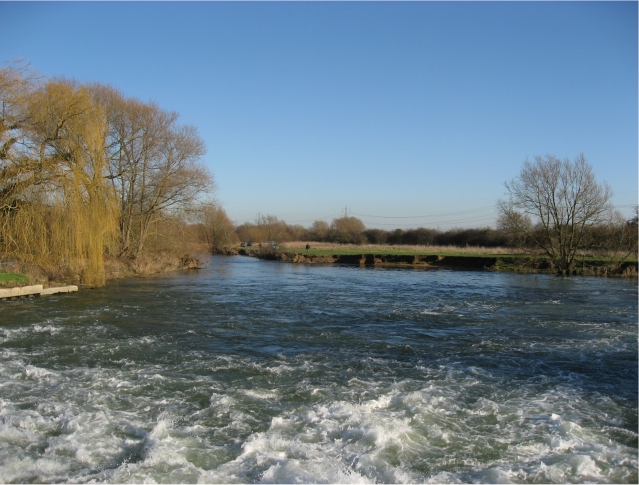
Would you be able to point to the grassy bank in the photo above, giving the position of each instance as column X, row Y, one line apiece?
column 145, row 265
column 8, row 279
column 470, row 258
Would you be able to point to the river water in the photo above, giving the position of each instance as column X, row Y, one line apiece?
column 254, row 371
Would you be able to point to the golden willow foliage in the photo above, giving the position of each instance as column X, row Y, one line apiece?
column 85, row 172
column 64, row 213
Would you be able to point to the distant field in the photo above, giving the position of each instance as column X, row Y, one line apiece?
column 329, row 249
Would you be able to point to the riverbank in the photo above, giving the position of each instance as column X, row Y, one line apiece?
column 520, row 263
column 54, row 276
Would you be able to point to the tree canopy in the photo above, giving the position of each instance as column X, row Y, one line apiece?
column 554, row 203
column 85, row 171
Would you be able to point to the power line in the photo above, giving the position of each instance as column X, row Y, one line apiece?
column 446, row 222
column 469, row 211
column 331, row 216
column 477, row 212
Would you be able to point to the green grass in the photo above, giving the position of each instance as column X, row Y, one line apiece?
column 12, row 279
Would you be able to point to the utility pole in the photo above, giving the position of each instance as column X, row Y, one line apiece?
column 346, row 211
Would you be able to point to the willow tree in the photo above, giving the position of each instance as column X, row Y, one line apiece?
column 66, row 212
column 15, row 85
column 79, row 162
column 554, row 204
column 21, row 174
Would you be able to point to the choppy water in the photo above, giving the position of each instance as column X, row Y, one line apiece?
column 253, row 371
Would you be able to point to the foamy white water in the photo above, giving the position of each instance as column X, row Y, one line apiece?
column 266, row 372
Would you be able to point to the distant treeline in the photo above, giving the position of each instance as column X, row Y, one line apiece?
column 486, row 237
column 614, row 236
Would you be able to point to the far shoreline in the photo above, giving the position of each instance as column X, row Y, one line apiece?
column 462, row 259
column 523, row 264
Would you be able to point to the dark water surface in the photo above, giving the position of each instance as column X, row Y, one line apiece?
column 254, row 371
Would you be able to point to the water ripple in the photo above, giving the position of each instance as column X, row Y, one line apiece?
column 268, row 372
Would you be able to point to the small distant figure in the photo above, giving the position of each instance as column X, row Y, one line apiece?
column 308, row 246
column 260, row 245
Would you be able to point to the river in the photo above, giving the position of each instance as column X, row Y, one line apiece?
column 254, row 371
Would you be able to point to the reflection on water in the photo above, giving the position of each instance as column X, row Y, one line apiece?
column 253, row 371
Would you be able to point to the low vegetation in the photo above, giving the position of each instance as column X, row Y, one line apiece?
column 8, row 279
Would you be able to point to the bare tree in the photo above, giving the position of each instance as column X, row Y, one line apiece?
column 249, row 232
column 553, row 204
column 296, row 232
column 517, row 225
column 619, row 238
column 348, row 230
column 351, row 225
column 320, row 230
column 154, row 165
column 274, row 229
column 219, row 231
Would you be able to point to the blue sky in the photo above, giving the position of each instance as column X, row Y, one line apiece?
column 410, row 114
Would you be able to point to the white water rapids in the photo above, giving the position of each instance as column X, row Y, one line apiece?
column 253, row 371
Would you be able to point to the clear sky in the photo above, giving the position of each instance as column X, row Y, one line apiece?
column 409, row 114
